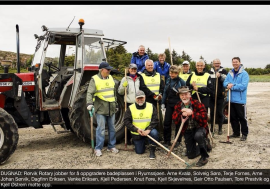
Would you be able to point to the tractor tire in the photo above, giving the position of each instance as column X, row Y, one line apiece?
column 80, row 119
column 9, row 136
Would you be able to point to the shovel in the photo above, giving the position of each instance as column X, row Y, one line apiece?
column 229, row 107
column 92, row 130
column 178, row 134
column 215, row 108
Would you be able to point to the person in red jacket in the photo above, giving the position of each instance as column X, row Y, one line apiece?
column 195, row 129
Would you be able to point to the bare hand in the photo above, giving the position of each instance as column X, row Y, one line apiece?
column 229, row 86
column 187, row 112
column 217, row 74
column 194, row 85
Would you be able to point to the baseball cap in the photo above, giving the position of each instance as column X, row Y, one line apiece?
column 105, row 65
column 140, row 93
column 185, row 62
column 133, row 66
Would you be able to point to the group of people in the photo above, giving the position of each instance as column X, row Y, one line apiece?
column 181, row 92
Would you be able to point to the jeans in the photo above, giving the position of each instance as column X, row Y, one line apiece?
column 140, row 144
column 100, row 131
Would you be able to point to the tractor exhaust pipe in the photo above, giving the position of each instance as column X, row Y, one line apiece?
column 18, row 48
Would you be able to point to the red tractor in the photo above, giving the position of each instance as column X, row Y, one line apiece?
column 54, row 90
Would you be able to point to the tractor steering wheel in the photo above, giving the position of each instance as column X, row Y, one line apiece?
column 52, row 68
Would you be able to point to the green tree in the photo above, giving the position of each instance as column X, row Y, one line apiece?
column 267, row 66
column 168, row 56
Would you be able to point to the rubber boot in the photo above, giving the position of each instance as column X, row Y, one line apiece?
column 152, row 152
column 220, row 129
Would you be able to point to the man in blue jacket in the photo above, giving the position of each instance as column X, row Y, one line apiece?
column 237, row 81
column 162, row 67
column 139, row 58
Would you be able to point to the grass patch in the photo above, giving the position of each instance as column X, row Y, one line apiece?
column 259, row 78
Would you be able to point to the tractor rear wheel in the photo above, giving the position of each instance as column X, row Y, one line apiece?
column 80, row 119
column 9, row 136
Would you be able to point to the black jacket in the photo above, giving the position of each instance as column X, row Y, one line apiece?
column 220, row 89
column 128, row 120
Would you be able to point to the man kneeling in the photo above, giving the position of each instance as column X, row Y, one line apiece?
column 195, row 129
column 141, row 119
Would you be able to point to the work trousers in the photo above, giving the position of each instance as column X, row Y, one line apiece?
column 238, row 116
column 195, row 140
column 219, row 113
column 167, row 130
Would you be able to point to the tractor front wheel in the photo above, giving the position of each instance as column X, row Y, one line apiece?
column 8, row 136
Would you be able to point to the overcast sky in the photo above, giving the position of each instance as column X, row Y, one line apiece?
column 211, row 31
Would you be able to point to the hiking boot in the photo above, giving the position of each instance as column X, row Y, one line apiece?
column 220, row 130
column 152, row 152
column 98, row 153
column 208, row 145
column 234, row 136
column 113, row 150
column 202, row 161
column 167, row 144
column 243, row 138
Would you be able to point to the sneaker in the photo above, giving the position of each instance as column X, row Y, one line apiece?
column 234, row 136
column 243, row 138
column 98, row 153
column 202, row 161
column 220, row 132
column 113, row 150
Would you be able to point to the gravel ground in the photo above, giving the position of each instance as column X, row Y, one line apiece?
column 45, row 149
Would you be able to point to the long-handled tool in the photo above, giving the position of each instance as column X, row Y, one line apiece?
column 178, row 134
column 125, row 111
column 210, row 134
column 229, row 107
column 92, row 129
column 170, row 51
column 188, row 165
column 215, row 107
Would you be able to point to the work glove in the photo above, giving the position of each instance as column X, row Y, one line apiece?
column 162, row 107
column 125, row 83
column 157, row 97
column 89, row 107
column 116, row 108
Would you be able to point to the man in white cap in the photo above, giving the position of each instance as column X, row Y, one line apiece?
column 185, row 72
column 141, row 119
column 101, row 87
